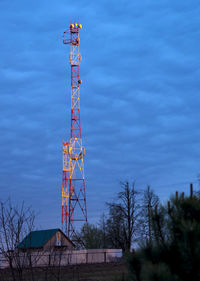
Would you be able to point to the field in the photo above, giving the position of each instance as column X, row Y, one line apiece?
column 82, row 272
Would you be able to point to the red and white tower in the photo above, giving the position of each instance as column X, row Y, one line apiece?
column 74, row 209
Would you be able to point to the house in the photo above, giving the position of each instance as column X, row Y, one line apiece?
column 43, row 248
column 44, row 240
column 52, row 247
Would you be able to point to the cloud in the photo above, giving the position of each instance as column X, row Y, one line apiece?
column 139, row 97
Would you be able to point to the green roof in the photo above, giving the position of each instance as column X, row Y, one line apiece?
column 37, row 239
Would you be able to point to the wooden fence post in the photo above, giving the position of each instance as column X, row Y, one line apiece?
column 105, row 256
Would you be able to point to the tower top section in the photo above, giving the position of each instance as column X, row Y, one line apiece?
column 73, row 29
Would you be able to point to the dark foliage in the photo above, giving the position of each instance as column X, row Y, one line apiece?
column 174, row 254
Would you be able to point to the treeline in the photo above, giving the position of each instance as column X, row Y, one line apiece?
column 166, row 236
column 128, row 221
column 174, row 252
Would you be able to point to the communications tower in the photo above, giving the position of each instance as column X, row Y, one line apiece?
column 74, row 209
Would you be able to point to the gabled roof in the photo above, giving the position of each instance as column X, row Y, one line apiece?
column 37, row 239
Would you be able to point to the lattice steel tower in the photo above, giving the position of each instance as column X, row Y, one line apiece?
column 74, row 207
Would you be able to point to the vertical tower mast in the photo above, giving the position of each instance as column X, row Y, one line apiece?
column 74, row 208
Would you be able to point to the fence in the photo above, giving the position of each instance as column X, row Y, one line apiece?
column 63, row 258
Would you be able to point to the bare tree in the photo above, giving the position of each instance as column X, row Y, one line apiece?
column 123, row 217
column 149, row 201
column 15, row 223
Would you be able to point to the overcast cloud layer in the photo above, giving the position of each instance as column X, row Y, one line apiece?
column 139, row 98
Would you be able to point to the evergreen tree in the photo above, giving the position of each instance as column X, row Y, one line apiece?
column 175, row 252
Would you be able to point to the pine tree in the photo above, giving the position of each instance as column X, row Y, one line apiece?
column 175, row 252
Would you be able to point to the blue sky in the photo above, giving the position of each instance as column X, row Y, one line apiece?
column 139, row 99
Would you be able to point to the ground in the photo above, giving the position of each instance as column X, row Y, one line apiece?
column 82, row 272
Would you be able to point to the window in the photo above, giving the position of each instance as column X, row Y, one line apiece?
column 58, row 239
